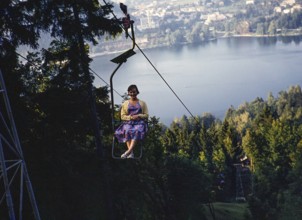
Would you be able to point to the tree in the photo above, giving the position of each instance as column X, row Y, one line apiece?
column 176, row 37
column 18, row 26
column 260, row 29
column 272, row 29
column 189, row 187
column 51, row 102
column 195, row 35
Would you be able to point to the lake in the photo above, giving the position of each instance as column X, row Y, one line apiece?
column 208, row 77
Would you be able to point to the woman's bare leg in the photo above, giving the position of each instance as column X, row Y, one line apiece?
column 127, row 152
column 132, row 145
column 128, row 144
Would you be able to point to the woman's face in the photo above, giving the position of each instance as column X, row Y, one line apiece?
column 132, row 93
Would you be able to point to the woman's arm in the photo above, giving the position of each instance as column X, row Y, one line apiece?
column 145, row 113
column 124, row 112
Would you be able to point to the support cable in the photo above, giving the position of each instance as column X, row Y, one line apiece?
column 33, row 64
column 27, row 60
column 150, row 62
column 104, row 81
column 160, row 75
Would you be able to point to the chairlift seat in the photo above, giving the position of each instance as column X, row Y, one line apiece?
column 123, row 57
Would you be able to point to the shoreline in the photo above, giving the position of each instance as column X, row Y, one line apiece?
column 250, row 35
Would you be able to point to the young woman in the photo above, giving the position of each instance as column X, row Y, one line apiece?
column 134, row 114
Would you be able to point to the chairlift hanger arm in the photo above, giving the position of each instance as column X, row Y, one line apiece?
column 124, row 56
column 112, row 96
column 160, row 75
column 119, row 60
column 126, row 22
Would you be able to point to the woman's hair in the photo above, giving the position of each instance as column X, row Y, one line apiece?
column 131, row 87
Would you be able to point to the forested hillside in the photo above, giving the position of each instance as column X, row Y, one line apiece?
column 64, row 124
column 264, row 137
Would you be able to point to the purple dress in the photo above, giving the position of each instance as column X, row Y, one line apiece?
column 133, row 129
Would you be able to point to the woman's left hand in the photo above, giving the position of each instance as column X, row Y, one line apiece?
column 134, row 117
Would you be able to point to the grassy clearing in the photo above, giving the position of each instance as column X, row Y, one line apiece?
column 229, row 211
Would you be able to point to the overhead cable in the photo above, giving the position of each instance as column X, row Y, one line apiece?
column 165, row 81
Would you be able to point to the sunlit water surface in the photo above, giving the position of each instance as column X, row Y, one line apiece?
column 209, row 77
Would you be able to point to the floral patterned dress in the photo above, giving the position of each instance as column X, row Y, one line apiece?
column 133, row 129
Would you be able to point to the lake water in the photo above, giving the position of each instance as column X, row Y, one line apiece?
column 209, row 77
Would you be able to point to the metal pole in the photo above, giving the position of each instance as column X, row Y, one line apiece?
column 112, row 96
column 19, row 149
column 21, row 192
column 31, row 193
column 9, row 200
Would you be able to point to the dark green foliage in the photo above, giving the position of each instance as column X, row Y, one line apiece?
column 158, row 186
column 185, row 166
column 268, row 133
column 188, row 186
column 19, row 22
